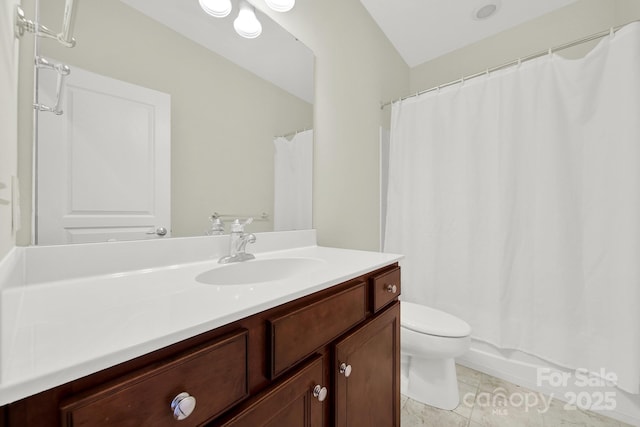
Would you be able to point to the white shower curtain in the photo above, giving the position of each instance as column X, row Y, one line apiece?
column 516, row 200
column 293, row 171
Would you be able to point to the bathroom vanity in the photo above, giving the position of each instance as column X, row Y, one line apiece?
column 319, row 348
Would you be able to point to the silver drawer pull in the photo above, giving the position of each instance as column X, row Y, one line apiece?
column 183, row 405
column 392, row 289
column 345, row 369
column 320, row 392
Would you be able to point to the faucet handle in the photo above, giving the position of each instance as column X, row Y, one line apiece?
column 217, row 226
column 238, row 227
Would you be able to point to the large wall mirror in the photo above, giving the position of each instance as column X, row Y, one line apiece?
column 166, row 72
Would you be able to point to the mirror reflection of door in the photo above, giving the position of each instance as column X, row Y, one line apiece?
column 103, row 166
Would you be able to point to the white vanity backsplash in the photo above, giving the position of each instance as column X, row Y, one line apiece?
column 45, row 264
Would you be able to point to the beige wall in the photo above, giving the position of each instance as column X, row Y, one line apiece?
column 627, row 10
column 570, row 23
column 356, row 69
column 8, row 122
column 223, row 117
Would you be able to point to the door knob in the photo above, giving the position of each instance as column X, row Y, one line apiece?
column 392, row 289
column 320, row 392
column 183, row 405
column 160, row 231
column 345, row 369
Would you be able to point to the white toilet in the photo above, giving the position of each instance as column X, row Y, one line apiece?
column 429, row 340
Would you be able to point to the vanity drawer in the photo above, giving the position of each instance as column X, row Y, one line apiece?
column 215, row 374
column 385, row 287
column 295, row 334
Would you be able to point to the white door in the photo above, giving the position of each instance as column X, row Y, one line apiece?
column 103, row 166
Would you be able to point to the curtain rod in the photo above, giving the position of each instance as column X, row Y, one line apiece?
column 518, row 61
column 287, row 135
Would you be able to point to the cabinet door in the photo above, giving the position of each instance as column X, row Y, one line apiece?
column 290, row 403
column 367, row 389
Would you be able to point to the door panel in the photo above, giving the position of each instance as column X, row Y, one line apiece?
column 103, row 166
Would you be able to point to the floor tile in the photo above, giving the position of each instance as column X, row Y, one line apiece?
column 415, row 414
column 504, row 393
column 502, row 407
column 490, row 383
column 561, row 414
column 487, row 401
column 468, row 375
column 467, row 399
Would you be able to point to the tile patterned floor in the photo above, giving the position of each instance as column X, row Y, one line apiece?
column 487, row 401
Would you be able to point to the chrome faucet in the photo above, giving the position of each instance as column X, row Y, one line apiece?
column 238, row 243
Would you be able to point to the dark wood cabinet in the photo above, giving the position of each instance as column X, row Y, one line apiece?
column 367, row 374
column 214, row 374
column 297, row 333
column 280, row 367
column 385, row 288
column 290, row 403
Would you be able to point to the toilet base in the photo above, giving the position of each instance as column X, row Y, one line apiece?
column 430, row 381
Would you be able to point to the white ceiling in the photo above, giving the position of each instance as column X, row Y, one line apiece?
column 421, row 30
column 275, row 56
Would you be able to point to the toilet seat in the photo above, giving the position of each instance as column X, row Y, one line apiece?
column 427, row 320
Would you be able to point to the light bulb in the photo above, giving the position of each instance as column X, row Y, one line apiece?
column 281, row 5
column 247, row 24
column 217, row 8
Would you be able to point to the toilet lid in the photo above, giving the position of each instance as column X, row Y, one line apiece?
column 427, row 320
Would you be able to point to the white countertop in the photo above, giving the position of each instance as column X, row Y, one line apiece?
column 53, row 332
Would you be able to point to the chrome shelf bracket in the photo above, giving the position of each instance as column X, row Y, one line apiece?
column 22, row 25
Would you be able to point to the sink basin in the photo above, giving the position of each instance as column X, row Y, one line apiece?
column 259, row 270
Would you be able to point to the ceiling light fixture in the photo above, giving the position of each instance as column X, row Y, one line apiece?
column 281, row 5
column 486, row 11
column 247, row 24
column 217, row 8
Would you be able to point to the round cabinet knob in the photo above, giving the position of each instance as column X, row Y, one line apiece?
column 183, row 405
column 392, row 289
column 345, row 369
column 320, row 392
